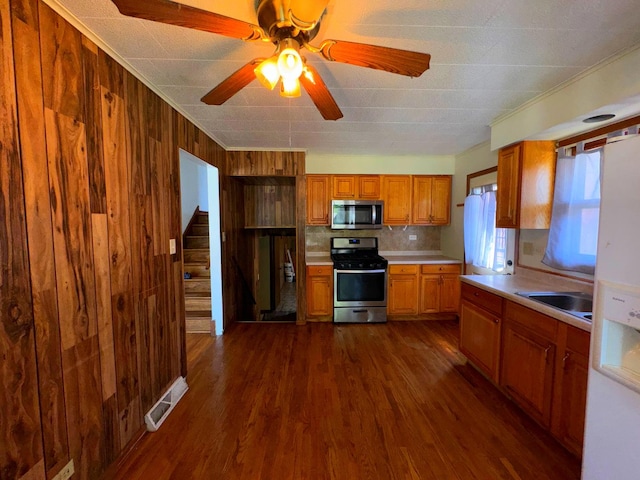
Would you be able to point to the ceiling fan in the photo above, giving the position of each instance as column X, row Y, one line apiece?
column 290, row 25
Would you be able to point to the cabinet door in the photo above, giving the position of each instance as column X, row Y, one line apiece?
column 527, row 370
column 450, row 293
column 319, row 291
column 480, row 338
column 344, row 187
column 421, row 212
column 508, row 195
column 318, row 200
column 396, row 193
column 369, row 187
column 430, row 289
column 403, row 292
column 570, row 394
column 441, row 200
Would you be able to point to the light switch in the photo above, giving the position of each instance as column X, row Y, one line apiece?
column 413, row 237
column 172, row 246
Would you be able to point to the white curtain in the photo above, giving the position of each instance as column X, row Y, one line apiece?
column 480, row 231
column 573, row 234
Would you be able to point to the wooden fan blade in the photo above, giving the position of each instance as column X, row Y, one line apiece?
column 402, row 62
column 172, row 13
column 320, row 94
column 232, row 84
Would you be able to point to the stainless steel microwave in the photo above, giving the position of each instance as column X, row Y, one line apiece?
column 356, row 214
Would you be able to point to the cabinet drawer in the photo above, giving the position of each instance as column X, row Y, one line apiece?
column 403, row 269
column 534, row 321
column 451, row 268
column 320, row 270
column 481, row 297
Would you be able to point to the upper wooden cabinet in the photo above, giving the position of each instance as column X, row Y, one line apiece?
column 355, row 187
column 396, row 194
column 431, row 200
column 318, row 200
column 344, row 187
column 369, row 187
column 526, row 174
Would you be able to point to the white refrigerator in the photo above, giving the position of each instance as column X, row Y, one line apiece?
column 612, row 424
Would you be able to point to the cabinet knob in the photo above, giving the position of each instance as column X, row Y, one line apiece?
column 476, row 294
column 496, row 320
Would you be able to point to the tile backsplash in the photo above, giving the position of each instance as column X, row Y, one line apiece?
column 318, row 239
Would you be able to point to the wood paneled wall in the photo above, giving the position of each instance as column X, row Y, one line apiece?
column 91, row 300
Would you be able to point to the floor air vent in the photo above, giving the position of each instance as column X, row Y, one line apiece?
column 161, row 410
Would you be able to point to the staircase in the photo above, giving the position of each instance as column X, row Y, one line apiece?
column 197, row 289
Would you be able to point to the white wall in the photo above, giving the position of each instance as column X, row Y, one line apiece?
column 193, row 186
column 362, row 164
column 473, row 160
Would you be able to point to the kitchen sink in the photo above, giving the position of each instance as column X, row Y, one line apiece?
column 576, row 303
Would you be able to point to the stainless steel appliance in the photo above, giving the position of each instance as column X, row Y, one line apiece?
column 356, row 214
column 359, row 281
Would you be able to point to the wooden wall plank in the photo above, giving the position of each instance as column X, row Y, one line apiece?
column 61, row 46
column 93, row 115
column 71, row 220
column 83, row 397
column 20, row 411
column 39, row 229
column 103, row 301
column 117, row 170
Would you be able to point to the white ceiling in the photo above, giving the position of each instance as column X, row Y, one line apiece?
column 487, row 58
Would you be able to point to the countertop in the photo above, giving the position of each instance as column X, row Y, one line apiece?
column 506, row 286
column 412, row 258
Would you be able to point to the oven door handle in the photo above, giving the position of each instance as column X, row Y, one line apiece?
column 361, row 271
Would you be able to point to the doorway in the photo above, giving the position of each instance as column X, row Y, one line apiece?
column 200, row 191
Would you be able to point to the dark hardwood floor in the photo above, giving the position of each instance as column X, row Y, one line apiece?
column 393, row 401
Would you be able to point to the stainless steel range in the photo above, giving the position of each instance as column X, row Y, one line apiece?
column 359, row 281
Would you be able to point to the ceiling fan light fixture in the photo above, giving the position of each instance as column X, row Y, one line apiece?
column 290, row 88
column 289, row 61
column 267, row 73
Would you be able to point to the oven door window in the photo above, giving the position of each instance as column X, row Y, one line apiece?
column 360, row 286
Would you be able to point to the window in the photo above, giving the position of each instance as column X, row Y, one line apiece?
column 485, row 245
column 573, row 234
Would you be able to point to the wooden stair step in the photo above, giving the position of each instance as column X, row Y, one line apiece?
column 197, row 303
column 197, row 270
column 202, row 218
column 193, row 241
column 193, row 285
column 195, row 255
column 199, row 324
column 199, row 229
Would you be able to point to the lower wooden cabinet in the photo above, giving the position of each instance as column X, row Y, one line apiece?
column 439, row 288
column 422, row 290
column 320, row 292
column 480, row 338
column 539, row 362
column 570, row 388
column 527, row 370
column 403, row 290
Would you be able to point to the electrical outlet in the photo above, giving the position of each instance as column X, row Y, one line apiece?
column 413, row 237
column 527, row 248
column 172, row 246
column 66, row 472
